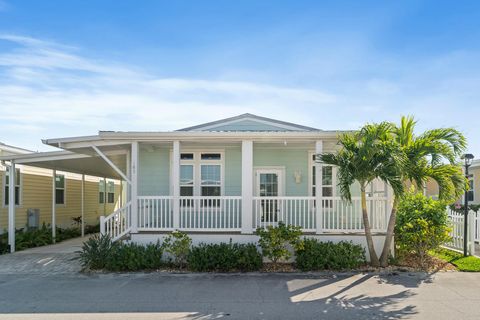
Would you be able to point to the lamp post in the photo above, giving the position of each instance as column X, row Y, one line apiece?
column 468, row 162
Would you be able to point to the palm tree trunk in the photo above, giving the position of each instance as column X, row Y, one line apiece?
column 368, row 232
column 390, row 232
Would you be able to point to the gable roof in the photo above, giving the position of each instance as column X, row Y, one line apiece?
column 8, row 149
column 249, row 122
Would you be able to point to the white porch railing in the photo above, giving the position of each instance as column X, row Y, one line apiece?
column 343, row 216
column 210, row 213
column 155, row 213
column 224, row 214
column 117, row 224
column 297, row 211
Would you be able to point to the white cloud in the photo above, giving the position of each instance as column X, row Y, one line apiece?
column 50, row 86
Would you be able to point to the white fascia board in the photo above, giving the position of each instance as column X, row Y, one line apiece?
column 43, row 156
column 13, row 149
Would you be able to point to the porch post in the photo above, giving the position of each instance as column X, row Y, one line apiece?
column 247, row 186
column 54, row 208
column 176, row 184
column 83, row 205
column 11, row 206
column 134, row 186
column 318, row 188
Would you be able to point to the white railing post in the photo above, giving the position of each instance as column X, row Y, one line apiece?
column 471, row 232
column 102, row 225
column 318, row 189
column 176, row 184
column 247, row 186
column 134, row 185
column 11, row 206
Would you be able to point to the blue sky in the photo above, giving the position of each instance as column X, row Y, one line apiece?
column 72, row 68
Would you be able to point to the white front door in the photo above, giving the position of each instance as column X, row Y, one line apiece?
column 269, row 184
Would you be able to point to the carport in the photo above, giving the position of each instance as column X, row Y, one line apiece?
column 111, row 164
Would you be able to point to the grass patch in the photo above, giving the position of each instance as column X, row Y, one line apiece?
column 466, row 264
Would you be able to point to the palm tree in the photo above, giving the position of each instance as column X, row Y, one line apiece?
column 367, row 155
column 430, row 156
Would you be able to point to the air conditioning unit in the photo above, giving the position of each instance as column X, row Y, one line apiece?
column 33, row 218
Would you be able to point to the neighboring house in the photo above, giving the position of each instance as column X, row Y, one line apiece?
column 33, row 194
column 222, row 180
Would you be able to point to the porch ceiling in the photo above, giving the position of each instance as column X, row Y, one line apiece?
column 71, row 162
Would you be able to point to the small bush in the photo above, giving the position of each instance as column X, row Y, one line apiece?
column 99, row 252
column 96, row 251
column 134, row 257
column 316, row 255
column 67, row 233
column 178, row 245
column 225, row 257
column 274, row 241
column 422, row 225
column 92, row 228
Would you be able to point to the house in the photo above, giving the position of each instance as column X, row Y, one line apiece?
column 222, row 180
column 35, row 188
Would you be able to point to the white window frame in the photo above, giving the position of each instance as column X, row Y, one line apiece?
column 107, row 192
column 20, row 191
column 104, row 191
column 64, row 190
column 311, row 164
column 197, row 162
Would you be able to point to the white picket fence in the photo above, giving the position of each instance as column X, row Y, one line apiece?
column 457, row 230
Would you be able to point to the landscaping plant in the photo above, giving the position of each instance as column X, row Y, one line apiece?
column 422, row 225
column 96, row 251
column 178, row 245
column 275, row 241
column 315, row 255
column 224, row 257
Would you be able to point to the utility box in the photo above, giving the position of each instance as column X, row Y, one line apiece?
column 33, row 218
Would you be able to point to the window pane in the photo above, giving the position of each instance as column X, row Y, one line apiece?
column 60, row 181
column 314, row 177
column 186, row 174
column 101, row 197
column 111, row 186
column 6, row 195
column 111, row 197
column 17, row 177
column 470, row 196
column 186, row 191
column 327, row 175
column 211, row 156
column 186, row 156
column 327, row 191
column 210, row 175
column 101, row 185
column 17, row 195
column 210, row 191
column 59, row 196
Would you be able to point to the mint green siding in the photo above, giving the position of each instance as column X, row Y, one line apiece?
column 154, row 172
column 293, row 160
column 233, row 171
column 247, row 125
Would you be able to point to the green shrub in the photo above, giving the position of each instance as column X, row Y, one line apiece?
column 67, row 233
column 316, row 255
column 134, row 257
column 224, row 257
column 178, row 245
column 96, row 251
column 274, row 241
column 422, row 225
column 92, row 228
column 32, row 238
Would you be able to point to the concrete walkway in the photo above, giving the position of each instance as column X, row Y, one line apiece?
column 52, row 259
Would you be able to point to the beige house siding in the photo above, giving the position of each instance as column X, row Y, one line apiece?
column 36, row 192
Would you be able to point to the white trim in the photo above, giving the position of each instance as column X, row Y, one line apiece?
column 134, row 163
column 318, row 193
column 247, row 186
column 54, row 205
column 11, row 207
column 110, row 163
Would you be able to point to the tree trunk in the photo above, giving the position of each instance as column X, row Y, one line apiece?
column 368, row 232
column 389, row 236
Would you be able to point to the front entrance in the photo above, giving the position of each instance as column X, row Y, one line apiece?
column 269, row 184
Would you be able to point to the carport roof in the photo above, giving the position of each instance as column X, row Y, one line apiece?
column 71, row 162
